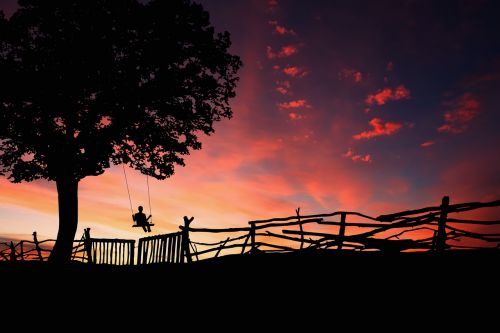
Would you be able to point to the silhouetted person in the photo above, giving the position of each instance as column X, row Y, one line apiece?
column 141, row 220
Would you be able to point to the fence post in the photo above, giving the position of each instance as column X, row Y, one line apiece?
column 441, row 233
column 21, row 245
column 88, row 245
column 131, row 253
column 139, row 251
column 297, row 211
column 245, row 244
column 434, row 238
column 341, row 230
column 37, row 246
column 221, row 247
column 185, row 238
column 12, row 252
column 252, row 238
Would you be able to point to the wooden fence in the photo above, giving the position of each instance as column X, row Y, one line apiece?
column 160, row 249
column 436, row 231
column 26, row 250
column 426, row 229
column 109, row 251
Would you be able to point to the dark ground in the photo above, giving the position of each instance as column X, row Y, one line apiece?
column 317, row 270
column 256, row 285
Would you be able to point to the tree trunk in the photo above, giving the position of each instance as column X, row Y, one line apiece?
column 67, row 197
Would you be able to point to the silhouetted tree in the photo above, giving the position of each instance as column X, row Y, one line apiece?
column 87, row 83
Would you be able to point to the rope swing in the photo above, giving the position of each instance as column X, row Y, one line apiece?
column 149, row 200
column 128, row 191
column 147, row 224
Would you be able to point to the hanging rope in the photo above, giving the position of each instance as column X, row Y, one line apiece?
column 128, row 191
column 149, row 199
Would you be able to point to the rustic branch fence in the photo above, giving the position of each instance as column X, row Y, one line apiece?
column 36, row 250
column 437, row 231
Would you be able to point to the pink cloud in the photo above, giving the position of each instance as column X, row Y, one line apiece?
column 269, row 53
column 281, row 30
column 358, row 77
column 272, row 4
column 276, row 67
column 427, row 144
column 287, row 51
column 295, row 116
column 401, row 92
column 284, row 52
column 379, row 129
column 299, row 103
column 356, row 157
column 295, row 71
column 463, row 110
column 350, row 74
column 388, row 94
column 283, row 87
column 281, row 90
column 380, row 97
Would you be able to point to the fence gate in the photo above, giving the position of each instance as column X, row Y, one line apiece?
column 110, row 251
column 161, row 248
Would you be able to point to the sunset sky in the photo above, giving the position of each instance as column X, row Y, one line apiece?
column 370, row 106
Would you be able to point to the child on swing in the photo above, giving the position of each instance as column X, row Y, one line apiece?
column 141, row 220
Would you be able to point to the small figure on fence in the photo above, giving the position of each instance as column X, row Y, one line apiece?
column 141, row 220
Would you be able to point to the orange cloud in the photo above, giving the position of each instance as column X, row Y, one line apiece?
column 356, row 157
column 427, row 144
column 388, row 94
column 463, row 111
column 284, row 52
column 379, row 129
column 283, row 87
column 295, row 71
column 299, row 103
column 350, row 74
column 295, row 116
column 281, row 30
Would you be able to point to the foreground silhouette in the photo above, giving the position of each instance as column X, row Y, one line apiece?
column 424, row 229
column 87, row 84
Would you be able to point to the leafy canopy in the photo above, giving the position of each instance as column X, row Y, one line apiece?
column 87, row 83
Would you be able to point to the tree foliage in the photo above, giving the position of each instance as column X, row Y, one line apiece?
column 88, row 83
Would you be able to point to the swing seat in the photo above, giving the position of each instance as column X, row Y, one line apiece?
column 140, row 226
